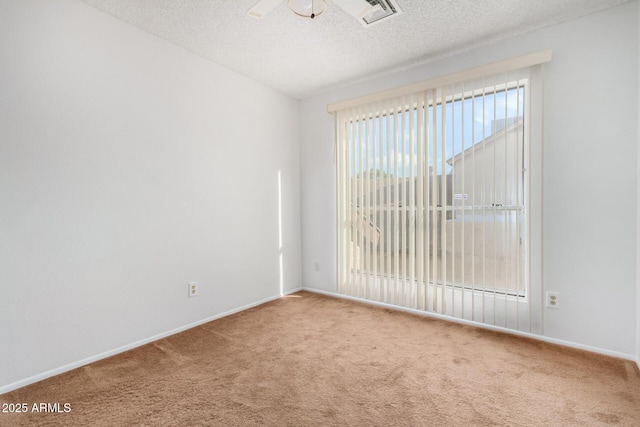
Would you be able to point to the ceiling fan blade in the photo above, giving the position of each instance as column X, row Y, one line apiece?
column 356, row 8
column 263, row 7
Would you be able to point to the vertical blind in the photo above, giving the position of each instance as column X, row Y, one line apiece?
column 434, row 194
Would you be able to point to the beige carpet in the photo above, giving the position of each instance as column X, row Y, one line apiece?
column 311, row 360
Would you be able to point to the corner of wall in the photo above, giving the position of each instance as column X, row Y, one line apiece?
column 638, row 203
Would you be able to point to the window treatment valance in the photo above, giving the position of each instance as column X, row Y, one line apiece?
column 519, row 62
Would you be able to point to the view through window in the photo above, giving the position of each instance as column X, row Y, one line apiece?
column 435, row 195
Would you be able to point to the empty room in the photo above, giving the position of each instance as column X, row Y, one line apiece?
column 319, row 212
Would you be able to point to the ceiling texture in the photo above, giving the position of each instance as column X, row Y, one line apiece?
column 303, row 57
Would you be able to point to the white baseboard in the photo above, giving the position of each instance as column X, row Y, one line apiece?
column 550, row 340
column 77, row 364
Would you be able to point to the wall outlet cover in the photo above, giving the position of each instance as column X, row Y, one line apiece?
column 193, row 289
column 552, row 300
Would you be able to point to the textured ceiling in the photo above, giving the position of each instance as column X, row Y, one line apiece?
column 302, row 57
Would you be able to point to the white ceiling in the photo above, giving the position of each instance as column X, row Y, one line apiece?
column 302, row 57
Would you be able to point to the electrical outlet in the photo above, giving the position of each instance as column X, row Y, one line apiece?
column 316, row 266
column 553, row 300
column 193, row 289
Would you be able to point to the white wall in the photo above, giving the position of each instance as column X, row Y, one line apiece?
column 638, row 213
column 129, row 167
column 590, row 164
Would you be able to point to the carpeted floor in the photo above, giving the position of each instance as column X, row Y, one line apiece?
column 312, row 360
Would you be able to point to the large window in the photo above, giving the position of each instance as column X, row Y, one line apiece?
column 433, row 199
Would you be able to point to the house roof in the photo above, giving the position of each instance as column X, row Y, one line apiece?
column 511, row 126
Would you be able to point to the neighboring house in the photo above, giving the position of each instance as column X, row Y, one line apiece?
column 489, row 172
column 486, row 237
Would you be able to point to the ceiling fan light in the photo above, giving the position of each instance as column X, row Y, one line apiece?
column 307, row 8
